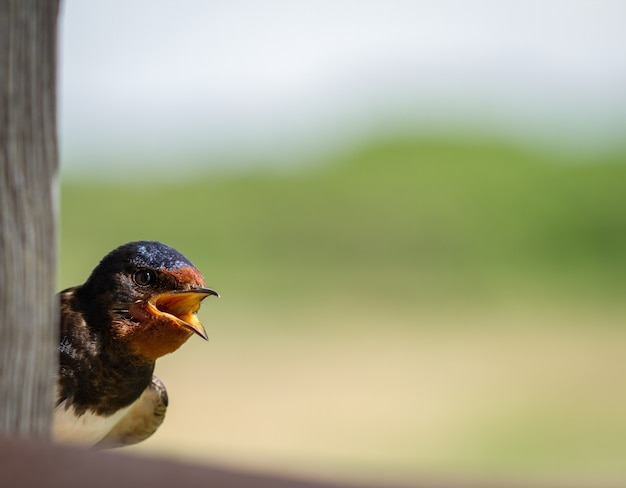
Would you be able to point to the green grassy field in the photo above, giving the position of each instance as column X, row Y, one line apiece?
column 413, row 308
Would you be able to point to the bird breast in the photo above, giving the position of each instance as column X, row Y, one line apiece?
column 85, row 429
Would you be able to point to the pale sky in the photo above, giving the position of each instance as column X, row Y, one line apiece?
column 284, row 80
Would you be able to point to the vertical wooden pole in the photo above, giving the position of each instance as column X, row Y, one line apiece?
column 28, row 207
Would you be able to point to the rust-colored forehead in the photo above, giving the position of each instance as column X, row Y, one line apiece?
column 187, row 276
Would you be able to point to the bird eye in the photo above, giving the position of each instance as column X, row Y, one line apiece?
column 144, row 277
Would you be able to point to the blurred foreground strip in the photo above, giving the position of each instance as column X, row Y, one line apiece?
column 27, row 463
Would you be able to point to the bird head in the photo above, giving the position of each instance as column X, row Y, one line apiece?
column 150, row 294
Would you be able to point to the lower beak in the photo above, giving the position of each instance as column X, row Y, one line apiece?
column 181, row 306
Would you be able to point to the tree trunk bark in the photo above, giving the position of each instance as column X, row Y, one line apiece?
column 28, row 205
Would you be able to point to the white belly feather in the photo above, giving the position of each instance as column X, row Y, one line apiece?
column 86, row 429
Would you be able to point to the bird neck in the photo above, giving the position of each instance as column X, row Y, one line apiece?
column 102, row 374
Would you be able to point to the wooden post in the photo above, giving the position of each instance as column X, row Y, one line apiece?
column 28, row 207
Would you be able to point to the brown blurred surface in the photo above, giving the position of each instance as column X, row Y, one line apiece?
column 25, row 463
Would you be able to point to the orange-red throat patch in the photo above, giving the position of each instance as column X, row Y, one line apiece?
column 167, row 320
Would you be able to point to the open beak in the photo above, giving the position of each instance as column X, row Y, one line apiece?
column 181, row 307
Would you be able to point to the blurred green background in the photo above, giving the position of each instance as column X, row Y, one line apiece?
column 415, row 307
column 414, row 212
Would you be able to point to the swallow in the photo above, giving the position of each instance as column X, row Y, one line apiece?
column 138, row 304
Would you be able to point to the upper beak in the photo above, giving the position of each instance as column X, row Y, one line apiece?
column 181, row 306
